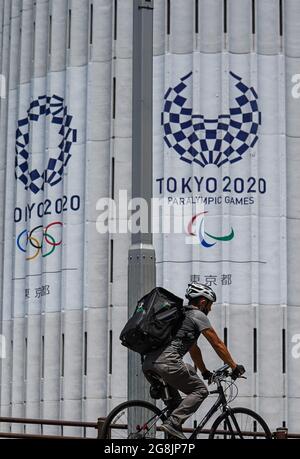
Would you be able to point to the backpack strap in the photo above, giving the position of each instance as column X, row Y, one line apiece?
column 187, row 307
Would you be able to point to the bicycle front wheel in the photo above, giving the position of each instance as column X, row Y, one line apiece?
column 135, row 419
column 240, row 424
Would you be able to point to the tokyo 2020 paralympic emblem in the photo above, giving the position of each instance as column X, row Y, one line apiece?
column 201, row 140
column 35, row 180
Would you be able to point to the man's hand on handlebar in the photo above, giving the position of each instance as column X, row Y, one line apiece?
column 207, row 375
column 238, row 372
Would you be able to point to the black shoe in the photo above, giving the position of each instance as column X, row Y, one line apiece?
column 171, row 429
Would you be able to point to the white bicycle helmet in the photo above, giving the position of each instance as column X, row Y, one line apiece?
column 194, row 290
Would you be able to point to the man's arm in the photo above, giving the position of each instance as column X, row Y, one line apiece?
column 219, row 347
column 196, row 355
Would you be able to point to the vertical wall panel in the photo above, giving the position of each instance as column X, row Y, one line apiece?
column 272, row 410
column 293, row 171
column 240, row 343
column 119, row 372
column 292, row 40
column 291, row 28
column 211, row 26
column 293, row 248
column 32, row 381
column 270, row 343
column 72, row 385
column 41, row 38
column 79, row 33
column 74, row 227
column 17, row 375
column 239, row 26
column 293, row 353
column 268, row 38
column 270, row 370
column 6, row 372
column 96, row 380
column 123, row 122
column 52, row 305
column 124, row 29
column 6, row 325
column 50, row 387
column 59, row 15
column 26, row 42
column 292, row 103
column 121, row 152
column 102, row 30
column 159, row 27
column 292, row 37
column 182, row 14
column 293, row 261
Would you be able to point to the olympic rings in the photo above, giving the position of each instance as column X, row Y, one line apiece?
column 38, row 251
column 38, row 242
column 30, row 237
column 46, row 234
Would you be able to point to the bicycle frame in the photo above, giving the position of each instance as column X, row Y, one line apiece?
column 221, row 401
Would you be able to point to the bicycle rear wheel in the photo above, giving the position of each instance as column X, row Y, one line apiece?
column 240, row 424
column 135, row 419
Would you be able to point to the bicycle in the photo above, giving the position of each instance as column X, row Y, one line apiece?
column 139, row 419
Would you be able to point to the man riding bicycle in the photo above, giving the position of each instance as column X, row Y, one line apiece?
column 168, row 362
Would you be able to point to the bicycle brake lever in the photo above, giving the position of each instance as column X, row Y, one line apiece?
column 238, row 377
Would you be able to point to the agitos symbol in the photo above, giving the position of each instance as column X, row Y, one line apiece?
column 44, row 244
column 203, row 234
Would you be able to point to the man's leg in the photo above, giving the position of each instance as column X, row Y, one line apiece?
column 174, row 401
column 183, row 377
column 174, row 397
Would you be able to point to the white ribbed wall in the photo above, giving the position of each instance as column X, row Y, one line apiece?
column 92, row 300
column 263, row 296
column 78, row 303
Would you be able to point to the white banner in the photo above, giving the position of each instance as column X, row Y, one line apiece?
column 218, row 142
column 49, row 207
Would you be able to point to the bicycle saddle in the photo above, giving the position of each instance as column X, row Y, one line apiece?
column 158, row 386
column 155, row 377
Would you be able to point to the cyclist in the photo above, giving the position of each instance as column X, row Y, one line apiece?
column 168, row 362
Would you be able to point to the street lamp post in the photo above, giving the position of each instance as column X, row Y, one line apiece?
column 141, row 261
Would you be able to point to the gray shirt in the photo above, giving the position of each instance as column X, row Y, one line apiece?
column 193, row 324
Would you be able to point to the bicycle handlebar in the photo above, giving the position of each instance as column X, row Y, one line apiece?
column 223, row 372
column 222, row 369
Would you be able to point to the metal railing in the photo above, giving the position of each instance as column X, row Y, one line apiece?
column 281, row 433
column 50, row 422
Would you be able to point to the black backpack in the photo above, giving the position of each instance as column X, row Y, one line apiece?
column 155, row 320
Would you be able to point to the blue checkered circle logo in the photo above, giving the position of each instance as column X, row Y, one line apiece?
column 35, row 180
column 205, row 141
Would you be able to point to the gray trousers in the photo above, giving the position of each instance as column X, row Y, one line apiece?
column 180, row 377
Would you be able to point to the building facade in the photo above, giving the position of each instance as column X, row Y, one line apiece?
column 226, row 125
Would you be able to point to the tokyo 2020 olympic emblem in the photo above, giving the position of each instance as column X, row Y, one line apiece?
column 201, row 140
column 35, row 180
